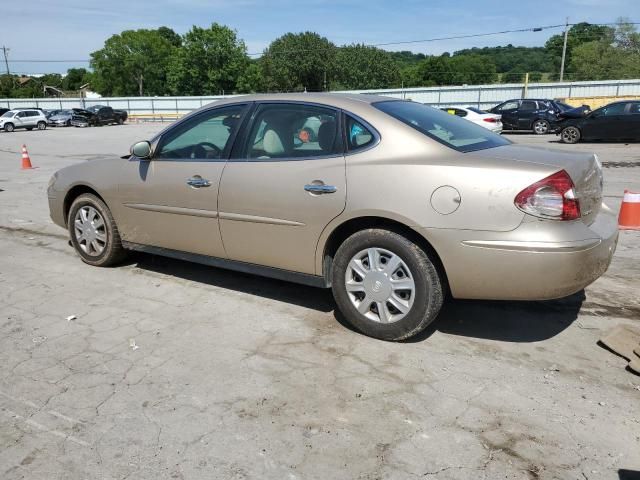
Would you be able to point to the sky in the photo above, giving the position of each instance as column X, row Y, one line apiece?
column 72, row 29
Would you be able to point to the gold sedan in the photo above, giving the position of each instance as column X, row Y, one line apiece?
column 390, row 203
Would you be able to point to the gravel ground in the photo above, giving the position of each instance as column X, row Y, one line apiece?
column 170, row 370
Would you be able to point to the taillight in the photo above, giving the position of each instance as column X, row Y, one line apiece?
column 490, row 119
column 552, row 197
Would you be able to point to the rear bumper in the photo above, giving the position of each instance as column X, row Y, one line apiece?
column 539, row 260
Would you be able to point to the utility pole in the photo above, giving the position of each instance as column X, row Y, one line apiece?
column 6, row 59
column 564, row 49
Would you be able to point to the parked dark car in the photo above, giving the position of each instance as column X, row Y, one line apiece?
column 3, row 110
column 616, row 121
column 82, row 118
column 537, row 115
column 107, row 115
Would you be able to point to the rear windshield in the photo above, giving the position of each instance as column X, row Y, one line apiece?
column 452, row 131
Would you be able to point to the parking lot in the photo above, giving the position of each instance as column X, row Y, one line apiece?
column 165, row 369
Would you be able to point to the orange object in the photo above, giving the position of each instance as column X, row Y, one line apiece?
column 26, row 161
column 629, row 218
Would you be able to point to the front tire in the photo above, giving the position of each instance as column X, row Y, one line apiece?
column 386, row 286
column 570, row 135
column 42, row 125
column 541, row 127
column 94, row 233
column 8, row 127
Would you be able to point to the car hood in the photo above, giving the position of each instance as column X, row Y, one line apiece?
column 577, row 112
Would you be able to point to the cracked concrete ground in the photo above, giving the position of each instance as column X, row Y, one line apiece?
column 236, row 377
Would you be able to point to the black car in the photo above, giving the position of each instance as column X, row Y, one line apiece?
column 537, row 115
column 616, row 121
column 3, row 111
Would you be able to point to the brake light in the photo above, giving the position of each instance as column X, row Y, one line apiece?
column 490, row 119
column 552, row 197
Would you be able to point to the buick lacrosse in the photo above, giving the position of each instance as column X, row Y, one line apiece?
column 392, row 204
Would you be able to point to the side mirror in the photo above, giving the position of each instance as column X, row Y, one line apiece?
column 141, row 150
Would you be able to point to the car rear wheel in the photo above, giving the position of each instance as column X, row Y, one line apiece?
column 386, row 286
column 42, row 125
column 570, row 135
column 8, row 127
column 94, row 233
column 540, row 127
column 120, row 121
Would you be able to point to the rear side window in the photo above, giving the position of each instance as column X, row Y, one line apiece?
column 449, row 130
column 358, row 136
column 634, row 109
column 290, row 131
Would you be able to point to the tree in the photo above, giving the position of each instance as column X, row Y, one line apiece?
column 579, row 34
column 360, row 67
column 252, row 79
column 210, row 62
column 458, row 69
column 75, row 78
column 299, row 61
column 615, row 56
column 133, row 62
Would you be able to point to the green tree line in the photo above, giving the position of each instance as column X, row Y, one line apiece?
column 214, row 60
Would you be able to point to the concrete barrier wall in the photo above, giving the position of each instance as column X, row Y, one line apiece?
column 482, row 96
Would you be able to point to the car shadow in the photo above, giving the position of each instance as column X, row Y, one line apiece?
column 508, row 321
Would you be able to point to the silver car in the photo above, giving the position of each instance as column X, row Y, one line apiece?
column 28, row 119
column 389, row 203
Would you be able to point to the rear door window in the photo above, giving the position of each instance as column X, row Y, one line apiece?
column 528, row 105
column 290, row 131
column 456, row 133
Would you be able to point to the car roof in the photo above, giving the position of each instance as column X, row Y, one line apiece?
column 338, row 100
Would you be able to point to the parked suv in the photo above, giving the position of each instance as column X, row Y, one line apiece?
column 537, row 115
column 28, row 119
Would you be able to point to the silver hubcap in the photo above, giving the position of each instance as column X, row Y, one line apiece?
column 90, row 231
column 540, row 127
column 570, row 134
column 380, row 285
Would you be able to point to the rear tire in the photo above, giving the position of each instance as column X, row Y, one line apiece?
column 570, row 135
column 386, row 286
column 94, row 233
column 120, row 121
column 541, row 127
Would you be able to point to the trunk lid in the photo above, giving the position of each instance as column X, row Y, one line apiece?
column 583, row 168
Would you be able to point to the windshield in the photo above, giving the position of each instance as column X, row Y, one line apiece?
column 94, row 108
column 449, row 130
column 476, row 110
column 10, row 113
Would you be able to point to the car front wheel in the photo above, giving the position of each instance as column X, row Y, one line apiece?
column 93, row 232
column 386, row 286
column 42, row 125
column 8, row 127
column 570, row 135
column 540, row 127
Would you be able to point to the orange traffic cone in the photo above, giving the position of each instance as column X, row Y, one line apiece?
column 629, row 218
column 26, row 161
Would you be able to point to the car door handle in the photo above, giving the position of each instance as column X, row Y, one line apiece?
column 198, row 182
column 320, row 188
